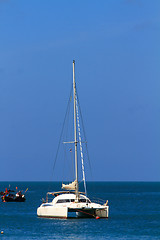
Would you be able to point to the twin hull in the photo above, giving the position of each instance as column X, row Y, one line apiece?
column 65, row 212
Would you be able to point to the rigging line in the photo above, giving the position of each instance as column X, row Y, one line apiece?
column 69, row 100
column 65, row 137
column 72, row 162
column 80, row 143
column 66, row 134
column 63, row 177
column 84, row 135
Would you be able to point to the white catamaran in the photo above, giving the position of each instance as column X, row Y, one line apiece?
column 70, row 200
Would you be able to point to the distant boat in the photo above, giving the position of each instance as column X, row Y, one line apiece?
column 70, row 200
column 12, row 196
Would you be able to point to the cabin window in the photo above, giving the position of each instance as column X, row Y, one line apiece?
column 84, row 200
column 63, row 200
column 46, row 205
column 73, row 200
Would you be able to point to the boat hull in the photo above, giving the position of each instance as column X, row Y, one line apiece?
column 92, row 213
column 13, row 199
column 102, row 213
column 64, row 212
column 52, row 212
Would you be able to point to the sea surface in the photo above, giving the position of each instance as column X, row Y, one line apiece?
column 134, row 213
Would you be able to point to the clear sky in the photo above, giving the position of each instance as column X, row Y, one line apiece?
column 115, row 44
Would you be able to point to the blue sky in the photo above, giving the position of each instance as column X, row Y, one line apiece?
column 116, row 47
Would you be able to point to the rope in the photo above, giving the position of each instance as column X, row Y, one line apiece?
column 84, row 135
column 81, row 151
column 68, row 104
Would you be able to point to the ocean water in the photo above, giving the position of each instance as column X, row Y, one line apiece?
column 134, row 213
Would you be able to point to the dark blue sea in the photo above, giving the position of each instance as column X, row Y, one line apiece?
column 134, row 213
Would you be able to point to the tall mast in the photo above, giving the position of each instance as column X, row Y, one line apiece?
column 75, row 134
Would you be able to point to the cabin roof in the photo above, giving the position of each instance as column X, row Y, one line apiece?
column 62, row 192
